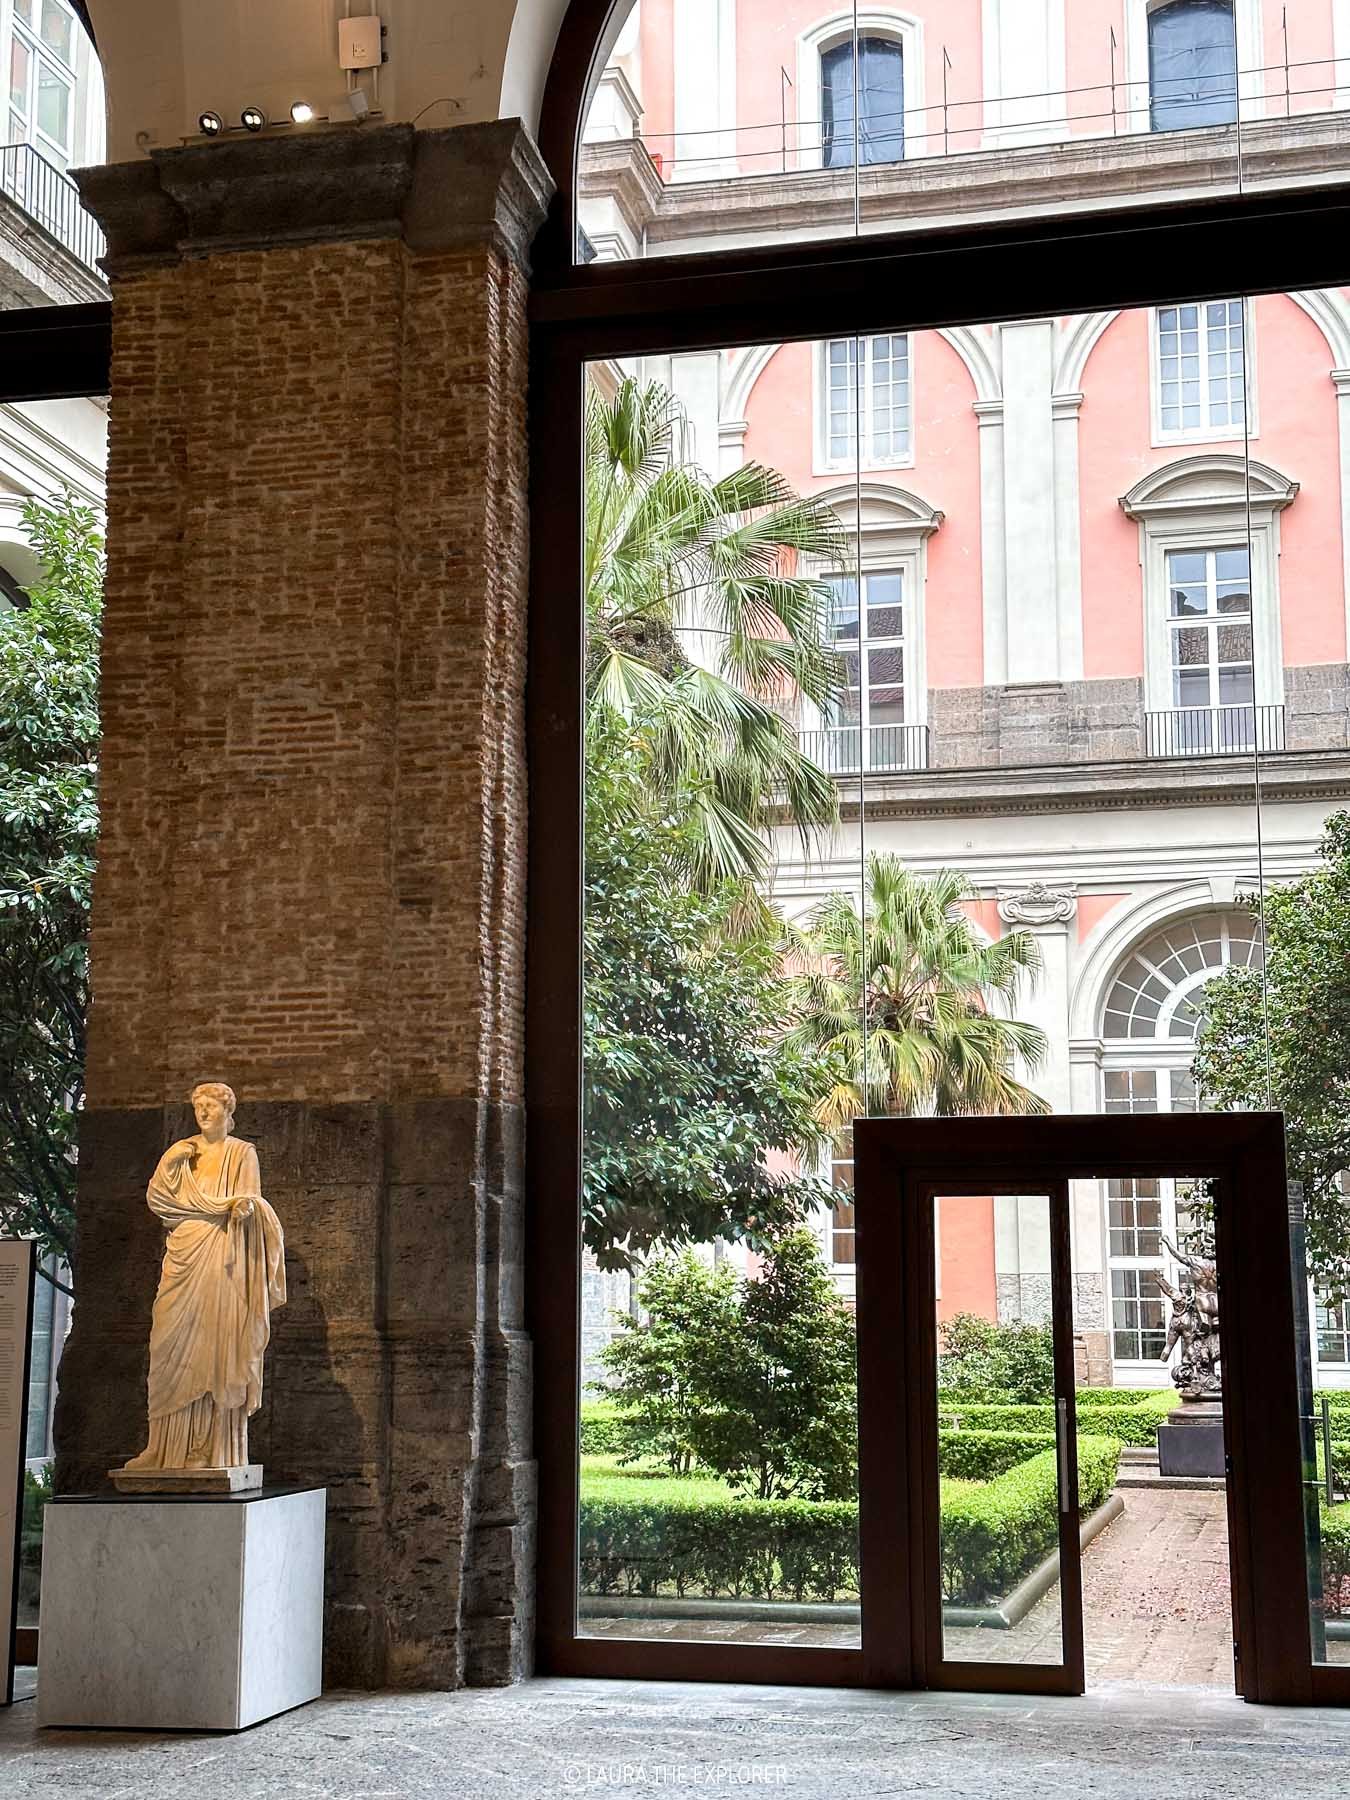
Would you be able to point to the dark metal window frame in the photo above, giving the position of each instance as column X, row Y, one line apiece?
column 1025, row 268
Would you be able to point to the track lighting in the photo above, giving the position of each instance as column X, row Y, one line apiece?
column 210, row 124
column 301, row 112
column 253, row 118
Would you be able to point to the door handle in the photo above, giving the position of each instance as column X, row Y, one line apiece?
column 1062, row 1445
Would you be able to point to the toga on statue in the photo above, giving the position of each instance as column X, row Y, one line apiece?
column 223, row 1272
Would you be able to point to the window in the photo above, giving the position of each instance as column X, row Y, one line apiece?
column 1157, row 993
column 41, row 78
column 870, row 641
column 884, row 386
column 1149, row 1091
column 1138, row 1314
column 1210, row 639
column 1192, row 65
column 1134, row 1218
column 1200, row 373
column 880, row 113
column 842, row 1253
column 1333, row 1332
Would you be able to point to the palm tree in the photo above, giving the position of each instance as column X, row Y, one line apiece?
column 900, row 1010
column 697, row 622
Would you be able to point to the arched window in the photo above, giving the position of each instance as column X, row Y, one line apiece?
column 880, row 72
column 1157, row 992
column 1192, row 65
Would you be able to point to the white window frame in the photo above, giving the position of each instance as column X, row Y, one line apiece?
column 822, row 462
column 40, row 55
column 904, row 29
column 1204, row 433
column 1136, row 97
column 1210, row 623
column 905, row 570
column 1201, row 503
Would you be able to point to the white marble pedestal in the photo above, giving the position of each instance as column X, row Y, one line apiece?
column 181, row 1612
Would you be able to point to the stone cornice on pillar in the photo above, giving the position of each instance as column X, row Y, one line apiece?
column 437, row 190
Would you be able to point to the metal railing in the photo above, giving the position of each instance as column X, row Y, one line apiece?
column 1213, row 730
column 880, row 750
column 51, row 200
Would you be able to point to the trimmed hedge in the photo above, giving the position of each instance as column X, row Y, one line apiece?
column 604, row 1429
column 1336, row 1559
column 982, row 1455
column 655, row 1540
column 1137, row 1425
column 994, row 1535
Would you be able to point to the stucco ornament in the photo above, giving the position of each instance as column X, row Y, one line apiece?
column 1038, row 905
column 223, row 1272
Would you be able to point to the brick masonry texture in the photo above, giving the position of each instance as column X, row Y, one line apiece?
column 312, row 866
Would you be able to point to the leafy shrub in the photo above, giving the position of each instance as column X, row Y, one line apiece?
column 754, row 1379
column 1088, row 1397
column 1012, row 1363
column 1336, row 1559
column 994, row 1535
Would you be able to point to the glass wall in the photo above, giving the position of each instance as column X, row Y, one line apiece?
column 1036, row 633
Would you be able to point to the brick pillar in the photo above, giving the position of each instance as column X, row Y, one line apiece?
column 312, row 858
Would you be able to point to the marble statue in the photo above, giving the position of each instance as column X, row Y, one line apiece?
column 223, row 1272
column 1195, row 1326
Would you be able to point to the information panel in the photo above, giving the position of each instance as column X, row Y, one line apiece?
column 16, row 1327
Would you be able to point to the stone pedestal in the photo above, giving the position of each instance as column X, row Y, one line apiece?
column 178, row 1612
column 231, row 1479
column 1191, row 1442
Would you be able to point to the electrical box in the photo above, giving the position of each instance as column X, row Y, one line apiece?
column 359, row 45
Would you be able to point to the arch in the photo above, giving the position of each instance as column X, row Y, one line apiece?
column 1329, row 310
column 876, row 21
column 1113, row 938
column 1080, row 338
column 744, row 375
column 1152, row 996
column 978, row 358
column 884, row 508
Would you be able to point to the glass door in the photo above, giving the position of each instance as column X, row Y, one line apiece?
column 998, row 1584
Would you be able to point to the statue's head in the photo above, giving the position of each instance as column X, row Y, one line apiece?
column 210, row 1098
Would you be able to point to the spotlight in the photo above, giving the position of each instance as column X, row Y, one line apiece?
column 301, row 112
column 253, row 118
column 210, row 124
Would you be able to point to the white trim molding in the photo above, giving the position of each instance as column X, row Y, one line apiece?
column 891, row 528
column 704, row 90
column 1024, row 72
column 874, row 21
column 1250, row 60
column 1210, row 502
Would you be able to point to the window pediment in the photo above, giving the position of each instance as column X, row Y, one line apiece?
column 1208, row 484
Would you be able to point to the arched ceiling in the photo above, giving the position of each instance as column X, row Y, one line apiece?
column 450, row 61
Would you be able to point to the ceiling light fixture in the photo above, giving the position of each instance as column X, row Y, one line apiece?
column 210, row 124
column 301, row 112
column 253, row 118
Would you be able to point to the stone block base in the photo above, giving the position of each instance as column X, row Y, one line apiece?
column 1191, row 1442
column 237, row 1479
column 181, row 1613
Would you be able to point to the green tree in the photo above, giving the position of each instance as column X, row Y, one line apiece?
column 48, row 825
column 658, row 1369
column 765, row 1370
column 1012, row 1363
column 1281, row 1038
column 690, row 1085
column 675, row 561
column 898, row 1008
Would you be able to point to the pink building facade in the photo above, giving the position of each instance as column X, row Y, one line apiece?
column 1099, row 566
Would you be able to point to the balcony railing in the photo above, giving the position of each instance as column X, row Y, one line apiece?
column 1214, row 730
column 51, row 200
column 880, row 750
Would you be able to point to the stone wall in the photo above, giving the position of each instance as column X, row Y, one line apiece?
column 1038, row 722
column 1317, row 707
column 312, row 862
